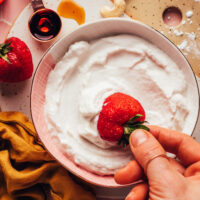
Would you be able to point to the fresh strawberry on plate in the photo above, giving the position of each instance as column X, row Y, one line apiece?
column 121, row 114
column 15, row 61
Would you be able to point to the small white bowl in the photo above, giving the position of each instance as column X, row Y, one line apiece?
column 89, row 32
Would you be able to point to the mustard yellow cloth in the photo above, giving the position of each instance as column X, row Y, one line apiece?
column 27, row 171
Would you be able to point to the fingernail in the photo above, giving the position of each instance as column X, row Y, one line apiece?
column 138, row 137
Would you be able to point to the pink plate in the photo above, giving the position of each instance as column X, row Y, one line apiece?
column 88, row 32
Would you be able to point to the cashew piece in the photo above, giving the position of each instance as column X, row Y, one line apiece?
column 116, row 11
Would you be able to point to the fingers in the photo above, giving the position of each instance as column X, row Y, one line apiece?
column 184, row 146
column 145, row 147
column 176, row 165
column 149, row 154
column 139, row 192
column 193, row 170
column 130, row 173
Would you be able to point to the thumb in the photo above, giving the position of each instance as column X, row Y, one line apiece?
column 150, row 154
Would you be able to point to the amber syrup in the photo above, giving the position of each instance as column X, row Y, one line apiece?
column 45, row 24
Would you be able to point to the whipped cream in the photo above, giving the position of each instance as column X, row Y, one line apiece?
column 91, row 71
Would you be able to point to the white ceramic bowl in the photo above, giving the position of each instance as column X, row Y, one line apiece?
column 89, row 32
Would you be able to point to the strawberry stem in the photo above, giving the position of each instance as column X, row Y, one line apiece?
column 129, row 127
column 4, row 50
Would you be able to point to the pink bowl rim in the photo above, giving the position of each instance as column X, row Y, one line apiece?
column 149, row 28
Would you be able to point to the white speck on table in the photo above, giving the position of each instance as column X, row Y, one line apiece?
column 189, row 13
column 183, row 22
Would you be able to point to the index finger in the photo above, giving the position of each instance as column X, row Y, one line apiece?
column 184, row 146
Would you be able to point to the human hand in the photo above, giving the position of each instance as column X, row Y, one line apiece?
column 167, row 178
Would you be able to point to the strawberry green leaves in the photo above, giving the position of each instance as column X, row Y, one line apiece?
column 131, row 126
column 4, row 49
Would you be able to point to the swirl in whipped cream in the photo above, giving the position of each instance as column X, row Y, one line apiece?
column 91, row 71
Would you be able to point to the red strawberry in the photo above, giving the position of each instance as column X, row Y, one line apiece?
column 15, row 61
column 121, row 114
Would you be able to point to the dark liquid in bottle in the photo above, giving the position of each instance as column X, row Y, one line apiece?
column 45, row 24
